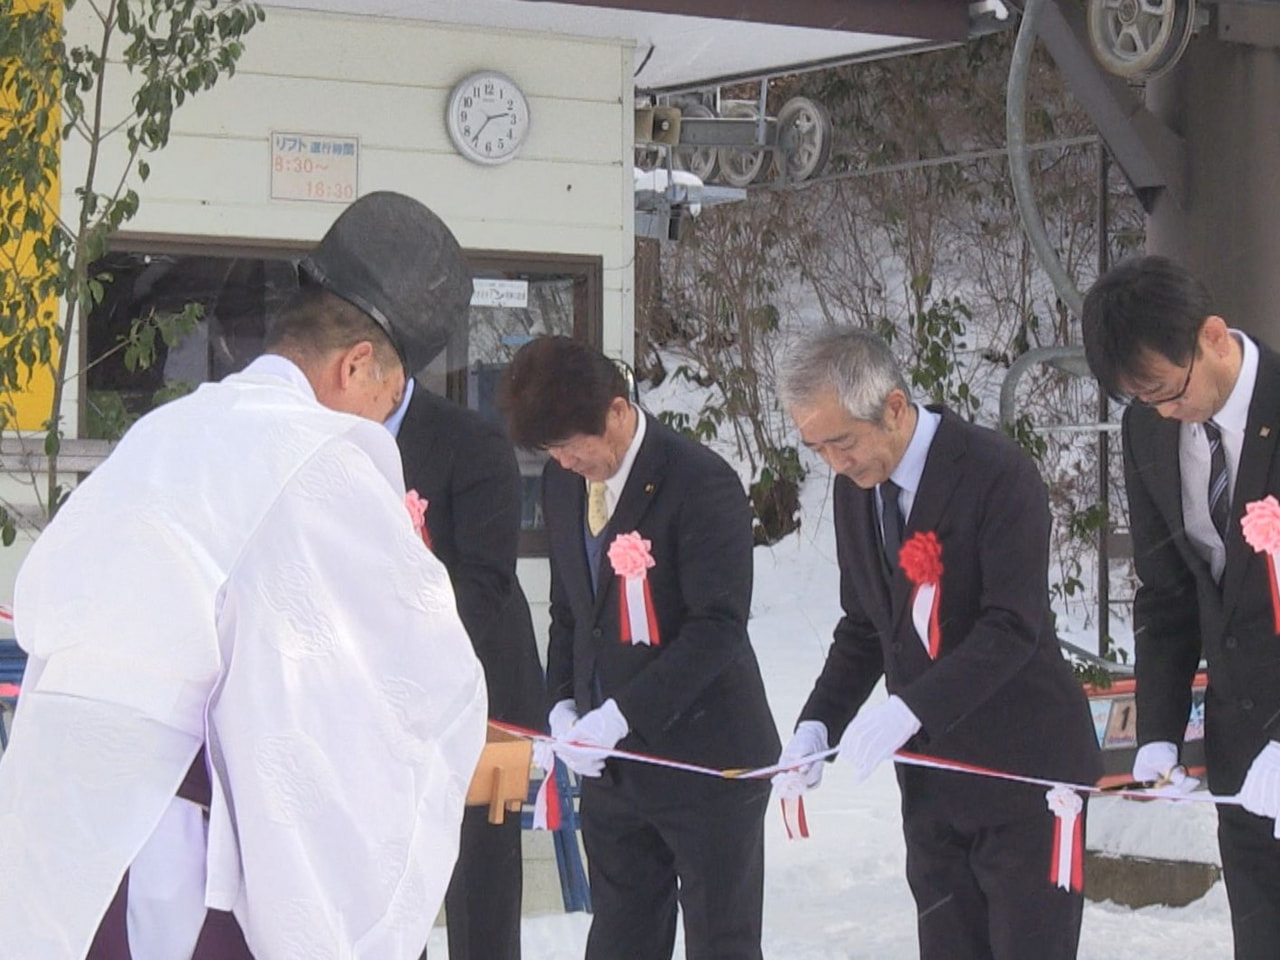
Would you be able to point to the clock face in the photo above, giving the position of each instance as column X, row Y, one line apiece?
column 488, row 117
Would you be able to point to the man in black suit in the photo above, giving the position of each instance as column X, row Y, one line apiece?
column 985, row 685
column 1199, row 447
column 674, row 676
column 466, row 470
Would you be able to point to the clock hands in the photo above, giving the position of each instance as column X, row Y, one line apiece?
column 487, row 117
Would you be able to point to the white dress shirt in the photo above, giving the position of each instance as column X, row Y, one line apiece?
column 910, row 469
column 1193, row 460
column 613, row 487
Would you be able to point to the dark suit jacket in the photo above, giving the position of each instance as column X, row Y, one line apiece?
column 698, row 695
column 466, row 469
column 1179, row 610
column 1000, row 694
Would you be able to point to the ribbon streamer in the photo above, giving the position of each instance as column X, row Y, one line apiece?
column 546, row 805
column 793, row 818
column 637, row 617
column 902, row 756
column 1275, row 589
column 1066, row 868
column 924, row 616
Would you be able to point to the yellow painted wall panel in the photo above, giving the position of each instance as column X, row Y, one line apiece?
column 31, row 406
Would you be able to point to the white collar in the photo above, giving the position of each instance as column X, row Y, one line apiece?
column 274, row 365
column 392, row 423
column 618, row 481
column 910, row 469
column 1234, row 415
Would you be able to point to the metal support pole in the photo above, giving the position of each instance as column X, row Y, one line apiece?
column 1104, row 437
column 1222, row 98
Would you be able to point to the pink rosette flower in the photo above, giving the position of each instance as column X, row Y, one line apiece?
column 1261, row 528
column 631, row 556
column 1261, row 525
column 417, row 505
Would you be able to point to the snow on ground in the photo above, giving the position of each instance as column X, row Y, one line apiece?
column 842, row 894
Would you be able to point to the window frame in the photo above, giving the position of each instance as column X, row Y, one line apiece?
column 586, row 271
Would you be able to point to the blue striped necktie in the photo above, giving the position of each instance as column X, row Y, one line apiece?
column 1219, row 497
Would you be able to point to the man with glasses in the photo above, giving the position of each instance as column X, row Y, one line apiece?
column 1199, row 447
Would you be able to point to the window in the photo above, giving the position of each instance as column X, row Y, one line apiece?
column 239, row 285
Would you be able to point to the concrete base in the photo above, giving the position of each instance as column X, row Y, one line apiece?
column 541, row 876
column 1139, row 882
column 1142, row 853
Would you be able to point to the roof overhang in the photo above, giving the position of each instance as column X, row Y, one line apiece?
column 682, row 44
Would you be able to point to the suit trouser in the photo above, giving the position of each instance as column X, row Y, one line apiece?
column 482, row 905
column 1251, row 868
column 654, row 835
column 983, row 893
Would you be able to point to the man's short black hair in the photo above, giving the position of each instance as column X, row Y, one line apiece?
column 1143, row 307
column 556, row 388
column 316, row 322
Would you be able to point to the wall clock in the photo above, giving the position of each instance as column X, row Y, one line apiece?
column 487, row 117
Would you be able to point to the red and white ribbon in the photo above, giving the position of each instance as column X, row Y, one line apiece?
column 632, row 558
column 1261, row 528
column 546, row 804
column 793, row 818
column 639, row 622
column 921, row 560
column 924, row 615
column 6, row 613
column 1274, row 583
column 1066, row 868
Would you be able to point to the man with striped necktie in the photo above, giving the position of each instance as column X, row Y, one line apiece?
column 1199, row 447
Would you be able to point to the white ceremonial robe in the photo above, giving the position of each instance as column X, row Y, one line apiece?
column 241, row 572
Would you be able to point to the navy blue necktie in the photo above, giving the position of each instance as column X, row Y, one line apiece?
column 891, row 522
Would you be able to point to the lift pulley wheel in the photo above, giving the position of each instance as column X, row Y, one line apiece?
column 1140, row 39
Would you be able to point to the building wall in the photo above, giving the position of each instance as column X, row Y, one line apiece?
column 386, row 82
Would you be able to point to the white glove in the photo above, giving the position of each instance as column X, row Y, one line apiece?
column 603, row 727
column 563, row 716
column 1157, row 762
column 810, row 738
column 875, row 735
column 1261, row 791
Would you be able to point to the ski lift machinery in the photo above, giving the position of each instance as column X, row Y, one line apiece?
column 722, row 146
column 705, row 149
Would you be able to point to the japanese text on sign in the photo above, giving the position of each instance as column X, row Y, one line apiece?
column 500, row 293
column 305, row 166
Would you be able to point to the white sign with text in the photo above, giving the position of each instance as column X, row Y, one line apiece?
column 500, row 293
column 315, row 167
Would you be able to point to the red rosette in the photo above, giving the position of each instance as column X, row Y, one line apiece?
column 921, row 558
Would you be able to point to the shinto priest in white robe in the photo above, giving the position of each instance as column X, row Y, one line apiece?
column 241, row 572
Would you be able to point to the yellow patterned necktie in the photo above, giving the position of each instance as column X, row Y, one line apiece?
column 597, row 512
